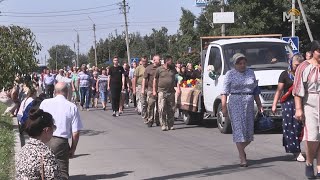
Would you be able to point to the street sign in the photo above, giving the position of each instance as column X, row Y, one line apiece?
column 293, row 42
column 223, row 17
column 201, row 3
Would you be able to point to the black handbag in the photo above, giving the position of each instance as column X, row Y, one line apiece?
column 264, row 122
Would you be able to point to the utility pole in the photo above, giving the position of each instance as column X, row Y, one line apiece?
column 78, row 41
column 56, row 59
column 124, row 11
column 223, row 26
column 305, row 20
column 45, row 60
column 75, row 54
column 293, row 32
column 95, row 42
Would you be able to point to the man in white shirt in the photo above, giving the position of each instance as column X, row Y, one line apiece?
column 67, row 120
column 60, row 76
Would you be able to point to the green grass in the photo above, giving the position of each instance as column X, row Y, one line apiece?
column 6, row 146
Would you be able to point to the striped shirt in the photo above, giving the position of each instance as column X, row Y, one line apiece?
column 103, row 81
column 84, row 79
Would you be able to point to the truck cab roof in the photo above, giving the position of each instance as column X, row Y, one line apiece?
column 222, row 42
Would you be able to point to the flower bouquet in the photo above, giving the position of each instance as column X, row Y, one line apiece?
column 191, row 83
column 189, row 97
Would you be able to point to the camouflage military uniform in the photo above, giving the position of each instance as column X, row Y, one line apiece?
column 152, row 109
column 166, row 96
column 141, row 98
column 166, row 105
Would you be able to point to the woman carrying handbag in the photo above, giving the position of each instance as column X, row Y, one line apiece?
column 292, row 128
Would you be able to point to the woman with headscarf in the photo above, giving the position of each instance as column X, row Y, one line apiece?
column 291, row 127
column 241, row 86
column 306, row 91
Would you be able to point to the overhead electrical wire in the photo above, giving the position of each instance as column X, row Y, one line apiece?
column 60, row 15
column 60, row 22
column 85, row 26
column 53, row 12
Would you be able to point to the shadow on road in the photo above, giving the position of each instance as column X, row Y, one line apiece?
column 225, row 169
column 79, row 155
column 100, row 176
column 88, row 132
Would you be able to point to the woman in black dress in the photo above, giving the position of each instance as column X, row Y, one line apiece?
column 291, row 127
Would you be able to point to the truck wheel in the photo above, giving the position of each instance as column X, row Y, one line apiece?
column 186, row 118
column 224, row 124
column 191, row 118
column 197, row 118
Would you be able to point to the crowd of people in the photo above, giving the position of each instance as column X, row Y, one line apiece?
column 46, row 106
column 51, row 120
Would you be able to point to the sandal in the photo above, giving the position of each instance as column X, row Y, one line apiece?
column 243, row 165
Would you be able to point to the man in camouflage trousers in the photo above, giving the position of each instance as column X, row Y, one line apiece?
column 147, row 83
column 141, row 97
column 164, row 84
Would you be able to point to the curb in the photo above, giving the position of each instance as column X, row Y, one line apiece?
column 17, row 137
column 17, row 141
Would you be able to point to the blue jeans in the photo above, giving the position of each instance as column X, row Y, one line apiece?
column 85, row 96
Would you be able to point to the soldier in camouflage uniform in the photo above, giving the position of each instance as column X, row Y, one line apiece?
column 141, row 97
column 164, row 86
column 147, row 83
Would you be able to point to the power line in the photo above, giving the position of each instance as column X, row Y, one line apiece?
column 54, row 12
column 58, row 22
column 103, row 24
column 60, row 15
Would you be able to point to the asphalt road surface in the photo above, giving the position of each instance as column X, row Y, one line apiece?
column 125, row 148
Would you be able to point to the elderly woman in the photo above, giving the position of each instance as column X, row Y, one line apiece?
column 36, row 160
column 291, row 127
column 241, row 86
column 306, row 91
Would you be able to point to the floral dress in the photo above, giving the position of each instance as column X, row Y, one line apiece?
column 241, row 88
column 32, row 157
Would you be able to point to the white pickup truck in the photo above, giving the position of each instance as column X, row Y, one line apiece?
column 266, row 55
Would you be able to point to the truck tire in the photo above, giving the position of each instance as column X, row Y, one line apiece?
column 192, row 118
column 186, row 118
column 224, row 124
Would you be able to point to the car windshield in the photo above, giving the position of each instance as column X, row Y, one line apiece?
column 260, row 55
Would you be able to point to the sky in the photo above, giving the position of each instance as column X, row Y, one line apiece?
column 55, row 22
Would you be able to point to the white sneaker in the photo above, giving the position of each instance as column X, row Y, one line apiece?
column 117, row 114
column 301, row 158
column 114, row 113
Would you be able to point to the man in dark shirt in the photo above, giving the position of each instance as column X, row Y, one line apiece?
column 147, row 83
column 164, row 84
column 116, row 85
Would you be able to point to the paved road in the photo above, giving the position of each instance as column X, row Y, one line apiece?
column 124, row 148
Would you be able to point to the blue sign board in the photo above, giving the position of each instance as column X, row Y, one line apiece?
column 293, row 42
column 201, row 3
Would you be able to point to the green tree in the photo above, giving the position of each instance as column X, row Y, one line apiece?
column 261, row 17
column 188, row 41
column 60, row 56
column 138, row 46
column 83, row 59
column 17, row 55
